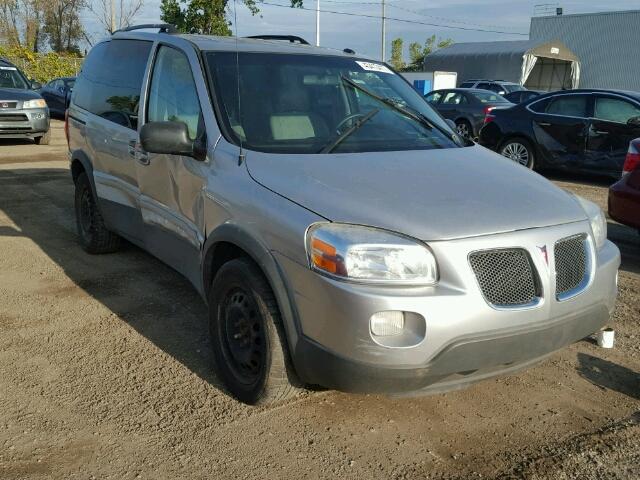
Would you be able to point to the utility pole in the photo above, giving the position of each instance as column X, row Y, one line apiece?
column 384, row 30
column 317, row 23
column 113, row 16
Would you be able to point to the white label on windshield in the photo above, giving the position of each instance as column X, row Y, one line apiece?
column 8, row 68
column 374, row 67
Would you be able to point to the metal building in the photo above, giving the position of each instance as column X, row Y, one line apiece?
column 546, row 65
column 608, row 45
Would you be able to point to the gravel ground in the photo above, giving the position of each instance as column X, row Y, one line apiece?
column 105, row 373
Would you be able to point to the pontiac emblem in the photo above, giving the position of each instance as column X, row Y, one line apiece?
column 544, row 253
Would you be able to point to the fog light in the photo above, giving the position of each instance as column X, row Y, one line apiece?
column 387, row 324
column 37, row 116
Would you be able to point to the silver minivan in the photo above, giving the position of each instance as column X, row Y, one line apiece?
column 340, row 231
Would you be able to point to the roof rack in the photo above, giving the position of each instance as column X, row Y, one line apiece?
column 162, row 28
column 287, row 38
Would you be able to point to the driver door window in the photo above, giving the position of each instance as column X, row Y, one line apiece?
column 173, row 95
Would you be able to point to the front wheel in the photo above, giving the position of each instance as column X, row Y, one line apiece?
column 44, row 139
column 248, row 340
column 520, row 151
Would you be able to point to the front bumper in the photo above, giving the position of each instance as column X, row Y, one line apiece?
column 466, row 338
column 27, row 123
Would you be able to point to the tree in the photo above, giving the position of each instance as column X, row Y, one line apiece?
column 21, row 23
column 418, row 52
column 62, row 25
column 114, row 15
column 207, row 17
column 397, row 46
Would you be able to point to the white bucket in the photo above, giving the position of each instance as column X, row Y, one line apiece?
column 606, row 338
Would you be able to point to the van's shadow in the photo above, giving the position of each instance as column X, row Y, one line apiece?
column 155, row 300
column 609, row 375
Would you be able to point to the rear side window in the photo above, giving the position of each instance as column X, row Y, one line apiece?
column 111, row 78
column 615, row 110
column 568, row 106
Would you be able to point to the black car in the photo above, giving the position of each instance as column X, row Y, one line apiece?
column 586, row 130
column 521, row 96
column 55, row 93
column 500, row 87
column 467, row 107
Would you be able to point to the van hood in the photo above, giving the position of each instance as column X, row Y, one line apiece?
column 429, row 195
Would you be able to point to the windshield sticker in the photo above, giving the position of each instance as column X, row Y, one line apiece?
column 374, row 67
column 9, row 68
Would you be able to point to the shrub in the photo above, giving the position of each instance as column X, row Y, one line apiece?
column 42, row 66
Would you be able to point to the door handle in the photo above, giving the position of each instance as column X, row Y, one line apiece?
column 544, row 124
column 600, row 132
column 142, row 157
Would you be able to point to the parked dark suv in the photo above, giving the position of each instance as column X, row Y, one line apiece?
column 576, row 130
column 23, row 112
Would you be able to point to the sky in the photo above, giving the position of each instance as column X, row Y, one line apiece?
column 362, row 34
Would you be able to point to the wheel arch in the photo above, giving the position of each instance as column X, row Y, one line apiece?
column 230, row 241
column 80, row 163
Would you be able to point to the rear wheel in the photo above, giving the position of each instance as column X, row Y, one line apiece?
column 44, row 139
column 247, row 336
column 520, row 151
column 94, row 236
column 464, row 129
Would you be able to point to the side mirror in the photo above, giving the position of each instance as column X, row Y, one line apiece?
column 634, row 122
column 36, row 85
column 171, row 138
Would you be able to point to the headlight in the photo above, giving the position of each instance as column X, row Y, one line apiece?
column 366, row 254
column 35, row 103
column 596, row 218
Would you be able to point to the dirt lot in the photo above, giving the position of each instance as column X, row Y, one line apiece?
column 105, row 373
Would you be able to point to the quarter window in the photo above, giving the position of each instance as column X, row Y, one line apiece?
column 173, row 95
column 615, row 110
column 568, row 106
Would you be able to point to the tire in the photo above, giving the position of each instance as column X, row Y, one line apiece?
column 520, row 151
column 251, row 356
column 94, row 236
column 44, row 139
column 464, row 129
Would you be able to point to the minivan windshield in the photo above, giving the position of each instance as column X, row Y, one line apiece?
column 10, row 77
column 320, row 104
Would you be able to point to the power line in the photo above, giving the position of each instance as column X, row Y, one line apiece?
column 416, row 12
column 402, row 20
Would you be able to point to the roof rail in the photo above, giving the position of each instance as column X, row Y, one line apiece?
column 288, row 38
column 162, row 28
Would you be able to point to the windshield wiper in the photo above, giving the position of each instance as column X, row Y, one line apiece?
column 407, row 112
column 344, row 135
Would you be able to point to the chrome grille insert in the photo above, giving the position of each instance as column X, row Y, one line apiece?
column 572, row 266
column 506, row 277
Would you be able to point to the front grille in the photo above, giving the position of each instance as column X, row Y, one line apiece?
column 506, row 277
column 8, row 104
column 20, row 117
column 571, row 264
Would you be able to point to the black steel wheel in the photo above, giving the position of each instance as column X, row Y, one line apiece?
column 94, row 235
column 249, row 343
